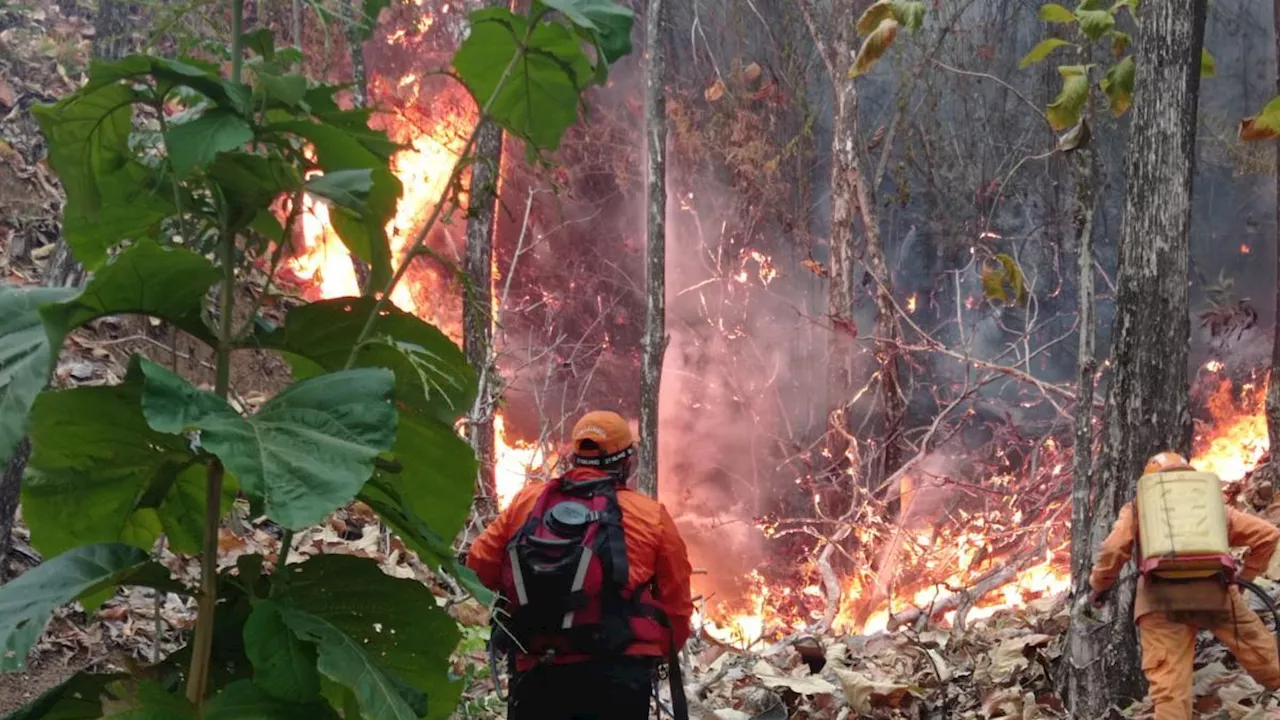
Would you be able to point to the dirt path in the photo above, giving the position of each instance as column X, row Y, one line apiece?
column 19, row 689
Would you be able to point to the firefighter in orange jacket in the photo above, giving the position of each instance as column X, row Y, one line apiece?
column 569, row 681
column 1170, row 613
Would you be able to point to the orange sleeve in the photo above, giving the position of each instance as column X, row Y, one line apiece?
column 1115, row 552
column 486, row 554
column 1260, row 536
column 673, row 573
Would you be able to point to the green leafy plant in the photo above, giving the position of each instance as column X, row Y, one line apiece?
column 152, row 149
column 1093, row 24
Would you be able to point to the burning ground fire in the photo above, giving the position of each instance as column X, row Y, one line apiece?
column 942, row 558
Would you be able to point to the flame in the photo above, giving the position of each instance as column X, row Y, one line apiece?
column 516, row 463
column 1235, row 439
column 911, row 303
column 1245, row 249
column 321, row 264
column 1230, row 445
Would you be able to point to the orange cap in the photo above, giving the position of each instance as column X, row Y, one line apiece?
column 601, row 433
column 1166, row 461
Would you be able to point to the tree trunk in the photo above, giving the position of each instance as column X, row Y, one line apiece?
column 1147, row 395
column 853, row 200
column 1086, row 362
column 1273, row 389
column 295, row 27
column 655, row 337
column 10, row 487
column 359, row 96
column 477, row 320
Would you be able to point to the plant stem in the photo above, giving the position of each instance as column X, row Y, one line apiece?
column 421, row 237
column 286, row 542
column 202, row 646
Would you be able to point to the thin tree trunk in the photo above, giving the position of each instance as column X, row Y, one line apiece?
column 1147, row 407
column 10, row 487
column 360, row 97
column 477, row 320
column 296, row 26
column 1273, row 390
column 853, row 201
column 1086, row 362
column 655, row 337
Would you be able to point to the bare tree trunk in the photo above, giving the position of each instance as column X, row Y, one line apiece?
column 655, row 337
column 477, row 320
column 359, row 96
column 1147, row 395
column 296, row 26
column 1086, row 363
column 1273, row 389
column 10, row 487
column 853, row 200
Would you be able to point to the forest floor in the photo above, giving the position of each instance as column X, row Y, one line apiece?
column 1003, row 666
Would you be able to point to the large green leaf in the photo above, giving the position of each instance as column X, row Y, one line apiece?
column 77, row 698
column 145, row 279
column 195, row 143
column 283, row 665
column 110, row 196
column 98, row 473
column 307, row 451
column 27, row 602
column 250, row 183
column 538, row 98
column 434, row 481
column 25, row 356
column 1117, row 84
column 340, row 148
column 176, row 281
column 242, row 700
column 347, row 188
column 146, row 699
column 1064, row 111
column 1095, row 23
column 181, row 507
column 190, row 73
column 432, row 374
column 1055, row 13
column 1041, row 51
column 608, row 21
column 362, row 619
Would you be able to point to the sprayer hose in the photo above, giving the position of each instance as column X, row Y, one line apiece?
column 1266, row 600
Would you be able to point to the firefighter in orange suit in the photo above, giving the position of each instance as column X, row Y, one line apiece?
column 583, row 682
column 1169, row 613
